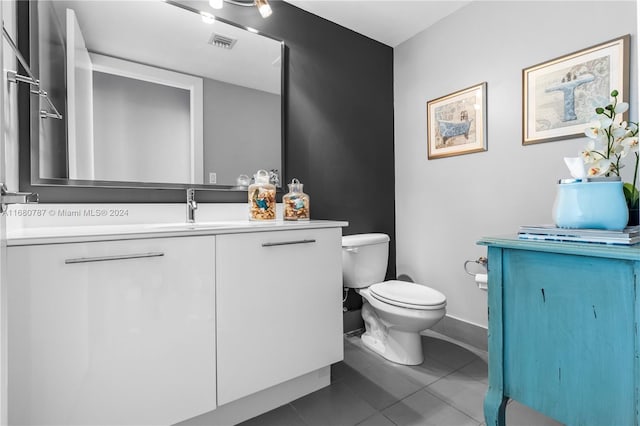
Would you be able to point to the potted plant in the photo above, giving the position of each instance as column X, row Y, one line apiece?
column 612, row 139
column 597, row 198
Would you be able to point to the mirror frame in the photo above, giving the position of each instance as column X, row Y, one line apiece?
column 61, row 190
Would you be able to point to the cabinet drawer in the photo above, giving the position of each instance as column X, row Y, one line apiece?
column 119, row 332
column 279, row 307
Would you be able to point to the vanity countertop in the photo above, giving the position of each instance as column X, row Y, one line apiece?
column 78, row 234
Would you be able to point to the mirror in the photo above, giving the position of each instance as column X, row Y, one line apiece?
column 152, row 93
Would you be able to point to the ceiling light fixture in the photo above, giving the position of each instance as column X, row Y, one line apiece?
column 207, row 18
column 263, row 5
column 216, row 4
column 263, row 8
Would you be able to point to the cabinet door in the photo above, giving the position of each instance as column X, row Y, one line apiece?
column 569, row 332
column 279, row 307
column 112, row 341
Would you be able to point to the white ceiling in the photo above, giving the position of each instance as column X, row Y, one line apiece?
column 388, row 21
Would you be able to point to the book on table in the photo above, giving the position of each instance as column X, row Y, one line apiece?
column 628, row 236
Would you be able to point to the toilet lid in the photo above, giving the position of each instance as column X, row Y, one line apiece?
column 408, row 295
column 359, row 240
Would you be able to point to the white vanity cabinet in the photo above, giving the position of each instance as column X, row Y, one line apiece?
column 278, row 307
column 112, row 332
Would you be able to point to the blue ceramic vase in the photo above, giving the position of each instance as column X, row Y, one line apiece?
column 590, row 205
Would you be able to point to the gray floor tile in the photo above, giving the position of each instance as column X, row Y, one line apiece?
column 461, row 392
column 377, row 420
column 365, row 384
column 357, row 356
column 339, row 370
column 381, row 386
column 447, row 353
column 424, row 409
column 521, row 415
column 426, row 373
column 281, row 416
column 335, row 405
column 477, row 370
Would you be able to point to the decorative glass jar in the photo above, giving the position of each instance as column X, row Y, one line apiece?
column 262, row 197
column 590, row 205
column 296, row 202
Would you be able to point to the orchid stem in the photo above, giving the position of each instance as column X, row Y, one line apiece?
column 635, row 170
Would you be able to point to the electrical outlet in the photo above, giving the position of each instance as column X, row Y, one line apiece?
column 212, row 178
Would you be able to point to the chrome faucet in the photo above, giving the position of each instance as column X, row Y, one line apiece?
column 191, row 205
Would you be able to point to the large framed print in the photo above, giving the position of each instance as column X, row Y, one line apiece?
column 457, row 123
column 560, row 96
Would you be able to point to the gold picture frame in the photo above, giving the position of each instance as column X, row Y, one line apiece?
column 559, row 96
column 457, row 123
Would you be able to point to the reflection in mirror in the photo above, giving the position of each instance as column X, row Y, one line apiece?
column 156, row 95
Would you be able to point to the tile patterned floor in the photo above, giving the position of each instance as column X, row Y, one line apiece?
column 446, row 389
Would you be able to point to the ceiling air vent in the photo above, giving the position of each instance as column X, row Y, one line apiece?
column 222, row 41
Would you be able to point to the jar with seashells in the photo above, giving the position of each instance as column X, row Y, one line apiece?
column 262, row 197
column 296, row 202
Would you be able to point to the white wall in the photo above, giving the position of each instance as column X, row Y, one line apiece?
column 444, row 206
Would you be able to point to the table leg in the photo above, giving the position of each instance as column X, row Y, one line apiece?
column 494, row 405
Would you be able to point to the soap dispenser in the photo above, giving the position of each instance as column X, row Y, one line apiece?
column 296, row 202
column 262, row 197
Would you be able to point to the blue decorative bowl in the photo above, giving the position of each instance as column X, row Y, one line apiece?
column 591, row 205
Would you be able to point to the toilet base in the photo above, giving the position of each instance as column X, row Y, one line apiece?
column 399, row 346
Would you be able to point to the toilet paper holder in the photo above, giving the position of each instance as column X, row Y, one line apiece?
column 482, row 261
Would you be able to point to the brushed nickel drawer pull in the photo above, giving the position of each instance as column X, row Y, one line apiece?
column 288, row 243
column 110, row 258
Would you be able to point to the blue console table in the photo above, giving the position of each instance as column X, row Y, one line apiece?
column 563, row 330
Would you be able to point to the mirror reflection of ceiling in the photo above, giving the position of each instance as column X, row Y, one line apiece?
column 117, row 31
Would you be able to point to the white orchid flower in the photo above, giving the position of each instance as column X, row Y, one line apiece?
column 589, row 154
column 610, row 140
column 595, row 129
column 605, row 122
column 619, row 132
column 630, row 143
column 592, row 132
column 619, row 149
column 600, row 167
column 621, row 107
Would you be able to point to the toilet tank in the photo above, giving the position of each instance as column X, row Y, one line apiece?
column 364, row 259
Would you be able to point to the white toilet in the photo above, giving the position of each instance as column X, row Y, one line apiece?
column 394, row 312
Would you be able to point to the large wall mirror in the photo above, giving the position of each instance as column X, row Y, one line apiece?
column 153, row 93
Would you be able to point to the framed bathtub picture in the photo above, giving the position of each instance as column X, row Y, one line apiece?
column 457, row 123
column 559, row 97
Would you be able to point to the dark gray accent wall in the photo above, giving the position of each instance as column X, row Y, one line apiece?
column 338, row 124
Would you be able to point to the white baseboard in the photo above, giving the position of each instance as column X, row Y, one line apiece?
column 463, row 331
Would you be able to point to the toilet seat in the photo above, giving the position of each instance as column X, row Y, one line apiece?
column 408, row 295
